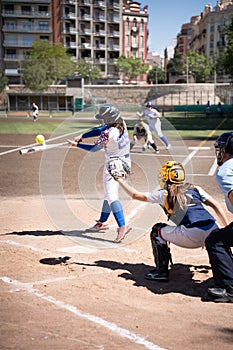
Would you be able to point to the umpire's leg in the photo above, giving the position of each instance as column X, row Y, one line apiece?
column 218, row 245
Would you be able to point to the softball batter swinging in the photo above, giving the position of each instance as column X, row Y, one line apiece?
column 182, row 203
column 114, row 139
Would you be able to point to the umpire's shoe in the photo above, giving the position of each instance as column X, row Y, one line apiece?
column 159, row 276
column 221, row 295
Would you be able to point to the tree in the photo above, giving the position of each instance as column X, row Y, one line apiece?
column 3, row 80
column 87, row 71
column 131, row 67
column 228, row 54
column 198, row 66
column 176, row 65
column 155, row 76
column 46, row 64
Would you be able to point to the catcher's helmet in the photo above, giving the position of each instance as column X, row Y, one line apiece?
column 224, row 144
column 171, row 172
column 109, row 113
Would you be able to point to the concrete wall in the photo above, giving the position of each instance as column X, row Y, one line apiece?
column 162, row 95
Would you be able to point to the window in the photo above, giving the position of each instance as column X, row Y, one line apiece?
column 9, row 8
column 10, row 25
column 142, row 26
column 43, row 25
column 27, row 25
column 42, row 8
column 27, row 40
column 26, row 9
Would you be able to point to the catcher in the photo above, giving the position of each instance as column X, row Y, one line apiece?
column 141, row 131
column 114, row 139
column 182, row 203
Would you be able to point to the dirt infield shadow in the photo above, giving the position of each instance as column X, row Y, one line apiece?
column 181, row 277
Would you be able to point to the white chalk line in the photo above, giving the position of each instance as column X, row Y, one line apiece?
column 121, row 332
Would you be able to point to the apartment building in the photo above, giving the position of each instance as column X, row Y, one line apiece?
column 89, row 29
column 206, row 32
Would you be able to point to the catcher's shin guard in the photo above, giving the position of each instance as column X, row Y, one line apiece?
column 162, row 255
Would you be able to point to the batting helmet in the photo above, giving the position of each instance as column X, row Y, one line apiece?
column 109, row 113
column 171, row 172
column 149, row 104
column 223, row 145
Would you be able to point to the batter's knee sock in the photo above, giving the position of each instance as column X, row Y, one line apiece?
column 153, row 145
column 105, row 212
column 118, row 212
column 163, row 138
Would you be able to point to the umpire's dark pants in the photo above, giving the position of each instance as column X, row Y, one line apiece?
column 218, row 245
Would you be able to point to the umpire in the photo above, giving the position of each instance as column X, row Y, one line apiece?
column 220, row 241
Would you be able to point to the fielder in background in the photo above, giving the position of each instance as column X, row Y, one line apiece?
column 182, row 203
column 35, row 112
column 220, row 241
column 153, row 118
column 141, row 131
column 114, row 139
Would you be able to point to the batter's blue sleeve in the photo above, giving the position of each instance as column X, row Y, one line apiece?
column 90, row 148
column 94, row 132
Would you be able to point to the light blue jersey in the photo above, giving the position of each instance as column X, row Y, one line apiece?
column 224, row 178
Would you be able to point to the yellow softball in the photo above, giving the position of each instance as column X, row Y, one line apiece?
column 40, row 139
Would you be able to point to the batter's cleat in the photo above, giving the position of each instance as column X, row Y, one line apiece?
column 155, row 275
column 168, row 146
column 121, row 233
column 99, row 226
column 157, row 151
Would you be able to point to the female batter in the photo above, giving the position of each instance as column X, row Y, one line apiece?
column 114, row 139
column 182, row 203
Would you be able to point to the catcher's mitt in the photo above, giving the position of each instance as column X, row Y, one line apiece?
column 118, row 168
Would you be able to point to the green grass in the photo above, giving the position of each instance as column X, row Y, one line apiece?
column 198, row 127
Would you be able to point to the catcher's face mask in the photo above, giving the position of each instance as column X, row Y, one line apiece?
column 171, row 172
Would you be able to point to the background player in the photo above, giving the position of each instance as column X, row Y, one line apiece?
column 182, row 203
column 35, row 111
column 153, row 118
column 114, row 139
column 219, row 242
column 141, row 131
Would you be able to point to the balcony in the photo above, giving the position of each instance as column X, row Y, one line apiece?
column 68, row 2
column 100, row 33
column 84, row 31
column 99, row 3
column 113, row 5
column 27, row 1
column 114, row 34
column 98, row 46
column 84, row 3
column 17, row 43
column 85, row 17
column 85, row 46
column 113, row 47
column 70, row 45
column 71, row 30
column 99, row 18
column 70, row 15
column 26, row 29
column 25, row 14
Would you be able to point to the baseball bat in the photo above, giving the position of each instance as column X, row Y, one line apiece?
column 41, row 148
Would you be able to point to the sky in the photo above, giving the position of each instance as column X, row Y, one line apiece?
column 166, row 18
